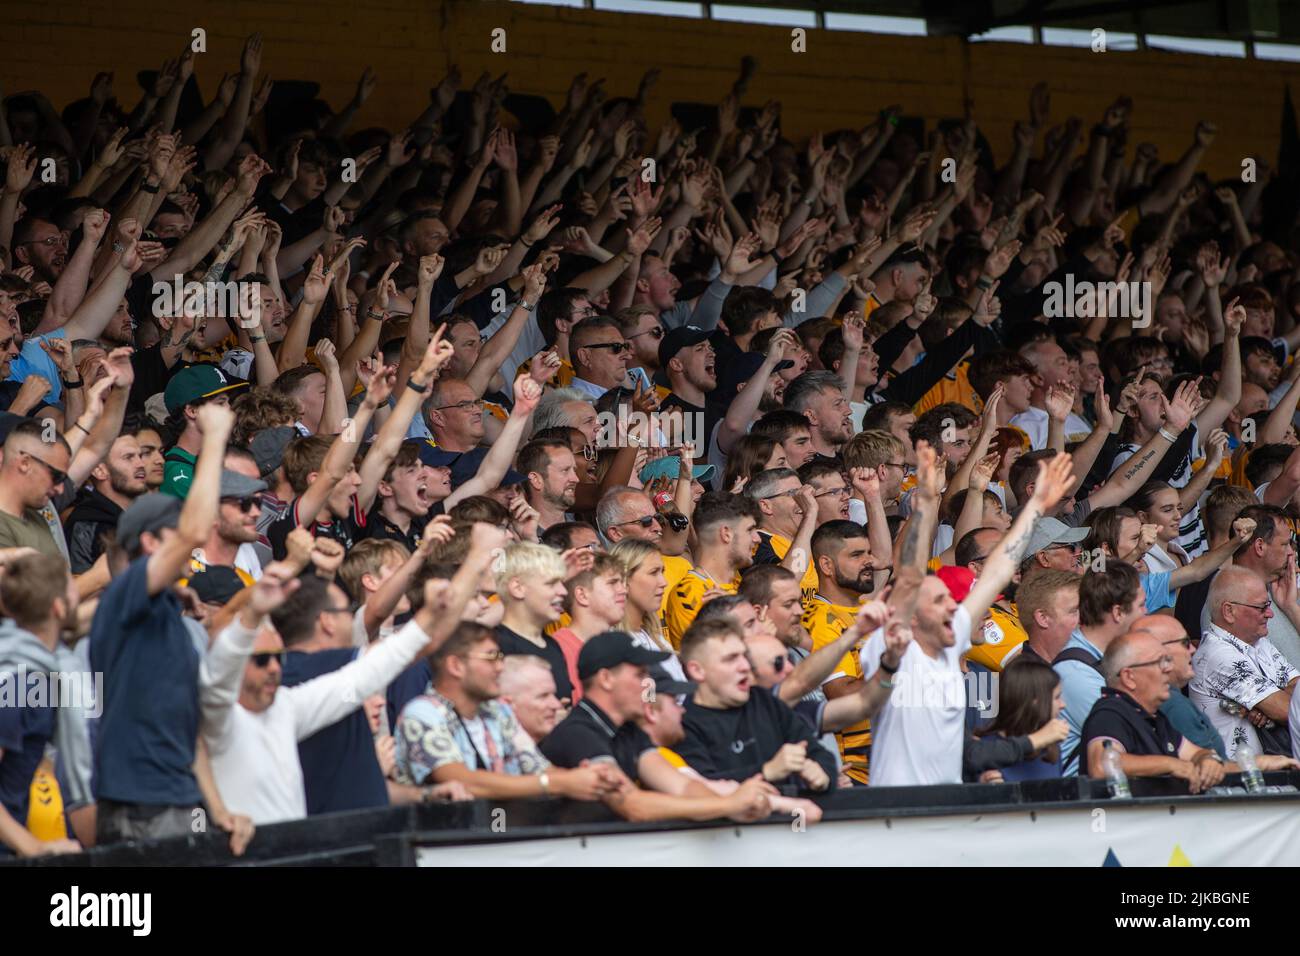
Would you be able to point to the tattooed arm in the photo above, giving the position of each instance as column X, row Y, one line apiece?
column 1054, row 480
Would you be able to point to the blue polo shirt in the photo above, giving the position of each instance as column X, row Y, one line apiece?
column 34, row 360
column 339, row 768
column 150, row 718
column 1189, row 721
column 1081, row 687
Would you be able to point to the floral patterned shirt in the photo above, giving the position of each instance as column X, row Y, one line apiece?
column 430, row 734
column 1232, row 677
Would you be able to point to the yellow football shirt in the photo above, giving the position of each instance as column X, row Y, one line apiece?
column 685, row 599
column 825, row 622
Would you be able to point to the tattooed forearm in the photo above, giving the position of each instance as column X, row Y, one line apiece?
column 1137, row 467
column 911, row 540
column 1014, row 548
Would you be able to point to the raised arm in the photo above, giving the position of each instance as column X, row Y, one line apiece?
column 199, row 514
column 527, row 394
column 1054, row 480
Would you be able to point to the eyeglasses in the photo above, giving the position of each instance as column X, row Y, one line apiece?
column 1165, row 663
column 840, row 492
column 48, row 241
column 656, row 333
column 1261, row 608
column 900, row 465
column 586, row 313
column 261, row 660
column 789, row 493
column 245, row 505
column 56, row 475
column 465, row 406
column 618, row 348
column 1185, row 641
column 495, row 657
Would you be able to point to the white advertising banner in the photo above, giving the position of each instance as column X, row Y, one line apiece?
column 1214, row 834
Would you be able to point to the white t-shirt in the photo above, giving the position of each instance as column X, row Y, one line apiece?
column 917, row 739
column 1034, row 421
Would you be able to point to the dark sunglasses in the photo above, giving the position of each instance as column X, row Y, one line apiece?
column 261, row 660
column 655, row 333
column 245, row 504
column 778, row 663
column 618, row 348
column 56, row 475
column 645, row 521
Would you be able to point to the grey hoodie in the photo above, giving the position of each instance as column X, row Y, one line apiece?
column 22, row 652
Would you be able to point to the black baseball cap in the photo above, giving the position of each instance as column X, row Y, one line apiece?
column 741, row 368
column 216, row 584
column 684, row 337
column 666, row 683
column 612, row 648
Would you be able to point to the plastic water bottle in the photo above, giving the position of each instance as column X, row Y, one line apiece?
column 1116, row 779
column 1250, row 775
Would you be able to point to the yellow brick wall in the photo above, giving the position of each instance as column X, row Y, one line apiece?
column 841, row 79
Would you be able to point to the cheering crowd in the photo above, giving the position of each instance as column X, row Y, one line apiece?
column 695, row 471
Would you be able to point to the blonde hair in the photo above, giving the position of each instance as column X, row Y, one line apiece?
column 631, row 553
column 870, row 449
column 369, row 557
column 527, row 560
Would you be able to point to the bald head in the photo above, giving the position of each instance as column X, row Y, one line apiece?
column 1164, row 627
column 1236, row 597
column 1127, row 650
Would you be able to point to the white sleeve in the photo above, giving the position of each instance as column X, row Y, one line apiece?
column 872, row 648
column 220, row 676
column 961, row 625
column 331, row 697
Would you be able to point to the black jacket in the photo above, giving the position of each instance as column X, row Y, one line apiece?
column 92, row 514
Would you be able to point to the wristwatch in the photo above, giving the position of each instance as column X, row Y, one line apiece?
column 544, row 779
column 523, row 304
column 886, row 668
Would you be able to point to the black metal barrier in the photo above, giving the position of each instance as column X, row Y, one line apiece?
column 385, row 837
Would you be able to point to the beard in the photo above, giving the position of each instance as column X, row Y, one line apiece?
column 863, row 584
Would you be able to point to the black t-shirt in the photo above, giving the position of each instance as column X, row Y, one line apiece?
column 589, row 734
column 346, row 531
column 1119, row 716
column 733, row 744
column 512, row 643
column 711, row 413
column 151, row 375
column 1191, row 600
column 339, row 768
column 377, row 526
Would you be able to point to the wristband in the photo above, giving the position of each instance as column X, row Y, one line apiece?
column 544, row 779
column 257, row 338
column 145, row 187
column 77, row 384
column 893, row 120
column 527, row 244
column 1166, row 434
column 984, row 282
column 886, row 668
column 416, row 387
column 82, row 427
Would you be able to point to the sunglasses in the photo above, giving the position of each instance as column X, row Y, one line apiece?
column 261, row 660
column 779, row 663
column 56, row 475
column 618, row 348
column 644, row 521
column 245, row 505
column 656, row 333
